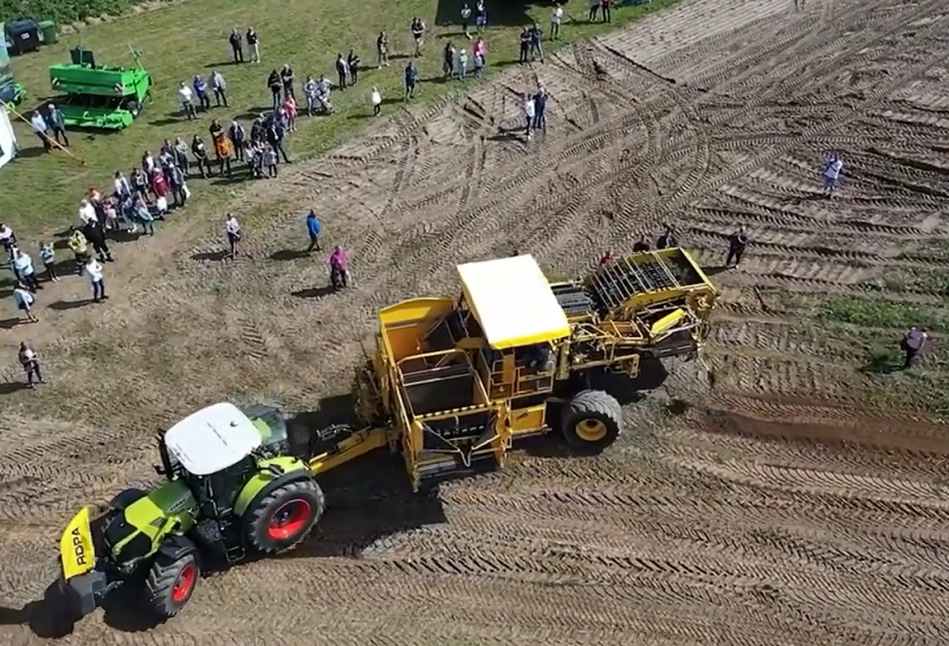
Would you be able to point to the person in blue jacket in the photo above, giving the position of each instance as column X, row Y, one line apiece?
column 313, row 227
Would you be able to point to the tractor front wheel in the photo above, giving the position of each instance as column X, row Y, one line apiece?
column 592, row 420
column 285, row 516
column 170, row 584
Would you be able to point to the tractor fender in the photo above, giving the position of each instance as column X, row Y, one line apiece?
column 174, row 547
column 263, row 482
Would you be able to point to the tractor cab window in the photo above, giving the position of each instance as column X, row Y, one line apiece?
column 522, row 371
column 216, row 493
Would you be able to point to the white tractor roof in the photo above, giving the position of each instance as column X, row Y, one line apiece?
column 212, row 439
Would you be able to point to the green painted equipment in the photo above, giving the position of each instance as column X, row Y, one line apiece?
column 108, row 98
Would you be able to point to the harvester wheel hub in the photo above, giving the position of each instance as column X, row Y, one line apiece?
column 291, row 518
column 184, row 584
column 591, row 430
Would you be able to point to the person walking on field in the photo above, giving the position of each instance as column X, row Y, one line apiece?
column 41, row 128
column 233, row 232
column 382, row 50
column 912, row 345
column 530, row 111
column 94, row 271
column 57, row 123
column 24, row 300
column 737, row 243
column 313, row 228
column 30, row 361
column 376, row 102
column 832, row 174
column 411, row 79
column 339, row 268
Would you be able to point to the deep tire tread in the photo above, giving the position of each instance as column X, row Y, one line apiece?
column 259, row 518
column 596, row 404
column 161, row 579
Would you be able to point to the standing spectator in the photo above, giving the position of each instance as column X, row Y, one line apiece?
column 219, row 87
column 41, row 129
column 201, row 91
column 187, row 101
column 253, row 41
column 78, row 244
column 382, row 49
column 339, row 267
column 238, row 137
column 269, row 159
column 641, row 245
column 313, row 228
column 180, row 150
column 556, row 19
column 310, row 90
column 529, row 112
column 536, row 36
column 353, row 62
column 87, row 212
column 237, row 45
column 461, row 70
column 95, row 234
column 465, row 18
column 275, row 136
column 540, row 108
column 448, row 60
column 57, row 123
column 481, row 49
column 30, row 361
column 121, row 185
column 478, row 66
column 24, row 300
column 48, row 256
column 274, row 83
column 179, row 187
column 139, row 182
column 606, row 7
column 200, row 153
column 286, row 79
column 233, row 231
column 418, row 35
column 159, row 186
column 142, row 215
column 290, row 109
column 94, row 271
column 525, row 43
column 23, row 268
column 667, row 240
column 148, row 162
column 376, row 102
column 607, row 258
column 411, row 79
column 594, row 7
column 912, row 344
column 737, row 243
column 342, row 71
column 832, row 174
column 7, row 239
column 481, row 17
column 222, row 148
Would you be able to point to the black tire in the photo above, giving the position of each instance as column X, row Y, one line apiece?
column 125, row 498
column 284, row 517
column 170, row 584
column 592, row 421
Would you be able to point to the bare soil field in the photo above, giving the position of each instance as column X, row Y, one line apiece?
column 792, row 499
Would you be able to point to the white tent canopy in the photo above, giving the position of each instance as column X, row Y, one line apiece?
column 8, row 143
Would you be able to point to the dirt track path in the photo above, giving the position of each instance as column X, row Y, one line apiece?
column 722, row 520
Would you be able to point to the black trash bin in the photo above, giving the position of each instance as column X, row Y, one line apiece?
column 23, row 35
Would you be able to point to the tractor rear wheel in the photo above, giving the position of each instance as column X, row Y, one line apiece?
column 284, row 517
column 170, row 584
column 592, row 420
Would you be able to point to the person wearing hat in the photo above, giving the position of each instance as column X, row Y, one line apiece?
column 57, row 123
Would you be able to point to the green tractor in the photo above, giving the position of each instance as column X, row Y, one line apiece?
column 230, row 489
column 108, row 98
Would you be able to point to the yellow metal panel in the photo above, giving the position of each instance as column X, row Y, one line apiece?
column 528, row 420
column 667, row 322
column 75, row 547
column 415, row 309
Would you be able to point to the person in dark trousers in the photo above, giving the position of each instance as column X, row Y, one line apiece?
column 200, row 152
column 536, row 36
column 30, row 360
column 341, row 71
column 253, row 41
column 418, row 35
column 448, row 60
column 237, row 45
column 525, row 45
column 222, row 147
column 353, row 62
column 382, row 50
column 641, row 245
column 606, row 7
column 238, row 137
column 275, row 85
column 275, row 136
column 286, row 79
column 912, row 344
column 178, row 187
column 94, row 271
column 219, row 87
column 232, row 229
column 313, row 227
column 667, row 239
column 737, row 243
column 96, row 237
column 201, row 91
column 57, row 123
column 411, row 79
column 594, row 7
column 540, row 105
column 48, row 256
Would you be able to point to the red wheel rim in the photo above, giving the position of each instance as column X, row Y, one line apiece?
column 290, row 519
column 185, row 583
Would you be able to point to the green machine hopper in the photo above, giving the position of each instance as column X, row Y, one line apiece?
column 108, row 98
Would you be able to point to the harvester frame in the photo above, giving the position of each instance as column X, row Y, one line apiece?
column 452, row 385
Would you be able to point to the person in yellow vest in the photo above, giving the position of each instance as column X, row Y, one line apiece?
column 80, row 247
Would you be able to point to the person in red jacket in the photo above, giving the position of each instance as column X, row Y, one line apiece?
column 607, row 258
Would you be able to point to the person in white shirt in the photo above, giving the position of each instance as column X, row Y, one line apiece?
column 832, row 174
column 556, row 19
column 529, row 111
column 24, row 300
column 376, row 102
column 94, row 271
column 123, row 189
column 233, row 231
column 41, row 128
column 30, row 361
column 87, row 212
column 187, row 101
column 24, row 270
column 7, row 239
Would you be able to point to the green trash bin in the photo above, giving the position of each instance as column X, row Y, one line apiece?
column 50, row 31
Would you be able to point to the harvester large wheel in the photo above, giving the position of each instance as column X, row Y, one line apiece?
column 284, row 517
column 170, row 584
column 592, row 420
